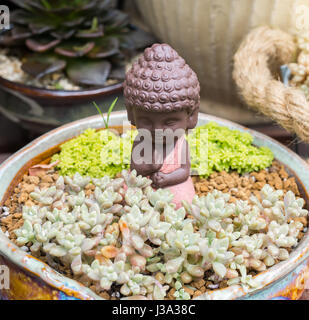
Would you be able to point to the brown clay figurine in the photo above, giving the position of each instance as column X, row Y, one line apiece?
column 162, row 100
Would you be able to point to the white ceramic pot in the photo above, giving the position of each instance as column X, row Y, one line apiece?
column 207, row 33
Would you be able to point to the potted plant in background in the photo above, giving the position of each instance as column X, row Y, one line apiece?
column 59, row 56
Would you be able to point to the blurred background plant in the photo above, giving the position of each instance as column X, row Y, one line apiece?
column 57, row 58
column 88, row 40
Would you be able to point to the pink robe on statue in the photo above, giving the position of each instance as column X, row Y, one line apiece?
column 172, row 162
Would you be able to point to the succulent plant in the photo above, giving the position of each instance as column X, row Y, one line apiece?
column 107, row 197
column 156, row 229
column 135, row 219
column 174, row 217
column 124, row 229
column 75, row 184
column 216, row 253
column 89, row 39
column 134, row 181
column 34, row 214
column 249, row 217
column 159, row 291
column 25, row 234
column 180, row 293
column 211, row 209
column 159, row 198
column 137, row 284
column 133, row 196
column 294, row 207
column 273, row 208
column 279, row 234
column 111, row 235
column 46, row 196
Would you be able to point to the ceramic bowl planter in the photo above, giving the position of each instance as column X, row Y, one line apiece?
column 40, row 110
column 27, row 274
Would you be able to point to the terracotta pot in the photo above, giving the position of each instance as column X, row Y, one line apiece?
column 207, row 33
column 40, row 110
column 32, row 279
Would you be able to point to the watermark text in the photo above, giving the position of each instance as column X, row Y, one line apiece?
column 4, row 17
column 4, row 277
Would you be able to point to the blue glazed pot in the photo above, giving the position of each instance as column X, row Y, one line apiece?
column 33, row 279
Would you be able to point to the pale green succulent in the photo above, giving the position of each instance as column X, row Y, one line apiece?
column 105, row 274
column 250, row 243
column 187, row 240
column 106, row 182
column 174, row 217
column 77, row 183
column 133, row 196
column 132, row 283
column 133, row 181
column 249, row 216
column 159, row 198
column 107, row 197
column 102, row 183
column 46, row 196
column 180, row 293
column 156, row 229
column 77, row 200
column 35, row 214
column 210, row 210
column 136, row 219
column 67, row 217
column 44, row 232
column 276, row 209
column 216, row 253
column 242, row 207
column 245, row 279
column 75, row 228
column 70, row 236
column 177, row 246
column 109, row 239
column 80, row 180
column 269, row 196
column 279, row 235
column 174, row 265
column 25, row 234
column 159, row 291
column 55, row 250
column 89, row 217
column 294, row 207
column 138, row 284
column 53, row 216
column 228, row 232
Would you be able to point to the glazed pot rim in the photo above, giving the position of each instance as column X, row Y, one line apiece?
column 33, row 91
column 72, row 287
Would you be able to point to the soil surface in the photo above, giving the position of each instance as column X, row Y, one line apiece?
column 242, row 186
